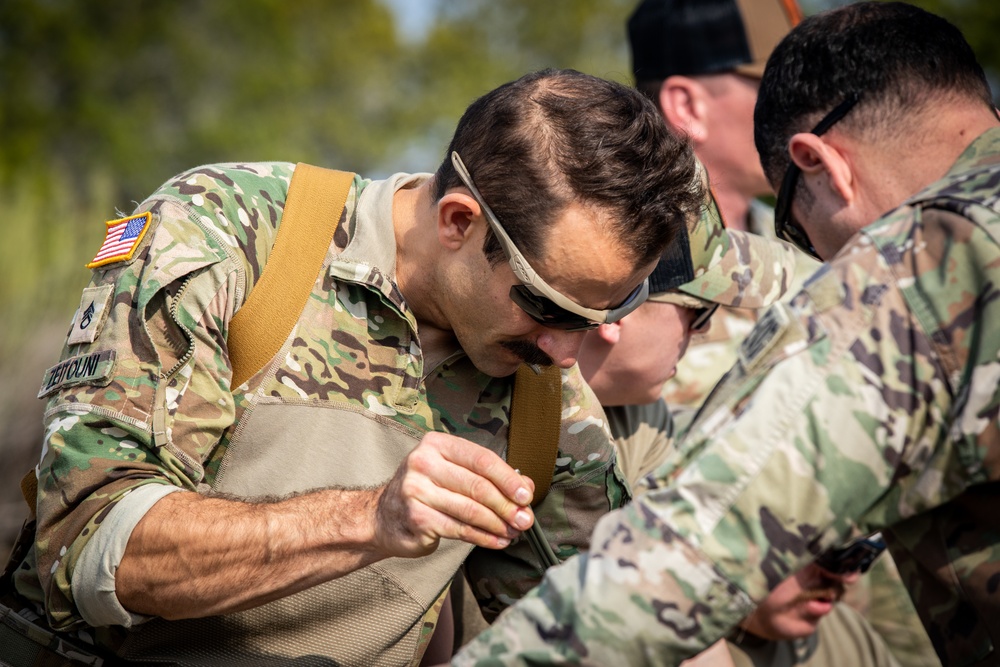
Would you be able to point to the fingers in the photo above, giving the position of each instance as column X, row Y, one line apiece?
column 449, row 487
column 477, row 474
column 469, row 483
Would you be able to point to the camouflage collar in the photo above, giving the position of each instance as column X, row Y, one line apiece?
column 984, row 148
column 372, row 242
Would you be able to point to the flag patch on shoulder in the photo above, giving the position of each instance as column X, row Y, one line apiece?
column 121, row 239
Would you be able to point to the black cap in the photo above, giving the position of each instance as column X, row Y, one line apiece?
column 691, row 37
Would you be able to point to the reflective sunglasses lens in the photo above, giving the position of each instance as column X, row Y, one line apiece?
column 543, row 311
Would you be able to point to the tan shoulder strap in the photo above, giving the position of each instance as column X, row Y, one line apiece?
column 29, row 489
column 316, row 197
column 535, row 424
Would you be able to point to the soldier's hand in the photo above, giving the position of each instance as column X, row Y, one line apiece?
column 450, row 487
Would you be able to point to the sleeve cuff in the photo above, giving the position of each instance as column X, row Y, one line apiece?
column 94, row 575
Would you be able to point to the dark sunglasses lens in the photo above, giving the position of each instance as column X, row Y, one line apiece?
column 794, row 234
column 857, row 557
column 545, row 312
column 703, row 316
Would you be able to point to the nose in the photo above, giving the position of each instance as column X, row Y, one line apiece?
column 563, row 347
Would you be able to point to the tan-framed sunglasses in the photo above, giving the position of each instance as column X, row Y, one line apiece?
column 542, row 302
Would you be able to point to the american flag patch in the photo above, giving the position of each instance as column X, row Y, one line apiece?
column 121, row 239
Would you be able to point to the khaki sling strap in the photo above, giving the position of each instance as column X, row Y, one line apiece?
column 316, row 196
column 533, row 440
column 29, row 489
column 535, row 422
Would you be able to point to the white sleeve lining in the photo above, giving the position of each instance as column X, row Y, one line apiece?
column 94, row 575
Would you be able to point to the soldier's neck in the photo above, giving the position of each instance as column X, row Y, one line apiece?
column 734, row 206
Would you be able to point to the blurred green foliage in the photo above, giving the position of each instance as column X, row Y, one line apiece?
column 102, row 101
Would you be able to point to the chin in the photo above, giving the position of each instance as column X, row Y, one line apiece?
column 495, row 368
column 499, row 364
column 651, row 397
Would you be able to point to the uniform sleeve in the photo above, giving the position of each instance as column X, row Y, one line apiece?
column 644, row 437
column 587, row 484
column 158, row 403
column 830, row 424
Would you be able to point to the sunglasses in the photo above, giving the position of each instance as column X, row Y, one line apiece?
column 786, row 228
column 542, row 302
column 857, row 556
column 702, row 316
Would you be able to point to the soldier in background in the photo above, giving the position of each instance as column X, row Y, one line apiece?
column 868, row 402
column 701, row 61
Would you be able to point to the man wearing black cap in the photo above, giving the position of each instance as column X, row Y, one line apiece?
column 701, row 61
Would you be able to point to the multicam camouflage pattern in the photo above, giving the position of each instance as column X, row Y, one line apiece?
column 710, row 354
column 708, row 357
column 736, row 268
column 28, row 644
column 870, row 401
column 349, row 374
column 643, row 435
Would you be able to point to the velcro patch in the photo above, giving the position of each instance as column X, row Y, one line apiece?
column 93, row 368
column 121, row 239
column 764, row 335
column 90, row 317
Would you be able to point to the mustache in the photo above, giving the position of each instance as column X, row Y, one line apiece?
column 527, row 352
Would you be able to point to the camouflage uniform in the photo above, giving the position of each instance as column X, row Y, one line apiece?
column 711, row 353
column 341, row 404
column 644, row 435
column 870, row 401
column 880, row 595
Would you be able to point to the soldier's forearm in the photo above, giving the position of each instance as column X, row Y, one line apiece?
column 194, row 556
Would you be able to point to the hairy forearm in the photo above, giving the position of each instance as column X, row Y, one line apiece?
column 194, row 556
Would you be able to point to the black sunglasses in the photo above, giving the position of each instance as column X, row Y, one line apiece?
column 857, row 556
column 786, row 228
column 702, row 316
column 545, row 311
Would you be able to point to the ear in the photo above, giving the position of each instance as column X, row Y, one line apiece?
column 456, row 213
column 684, row 104
column 813, row 155
column 609, row 333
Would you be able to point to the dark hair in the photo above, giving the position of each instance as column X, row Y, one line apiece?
column 897, row 56
column 557, row 137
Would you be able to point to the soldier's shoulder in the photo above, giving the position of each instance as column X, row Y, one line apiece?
column 243, row 179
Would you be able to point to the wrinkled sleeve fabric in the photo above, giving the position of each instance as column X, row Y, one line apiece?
column 832, row 424
column 162, row 408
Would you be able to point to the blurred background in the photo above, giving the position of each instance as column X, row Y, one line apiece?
column 100, row 102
